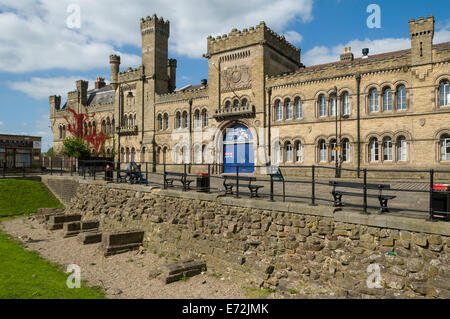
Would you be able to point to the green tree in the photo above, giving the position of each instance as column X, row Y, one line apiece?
column 75, row 147
column 50, row 152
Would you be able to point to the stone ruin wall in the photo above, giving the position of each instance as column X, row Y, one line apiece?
column 275, row 249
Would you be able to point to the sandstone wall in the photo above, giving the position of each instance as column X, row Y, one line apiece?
column 279, row 245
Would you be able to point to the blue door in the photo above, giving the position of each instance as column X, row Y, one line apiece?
column 238, row 150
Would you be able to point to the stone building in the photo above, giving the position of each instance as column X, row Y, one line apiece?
column 19, row 151
column 389, row 110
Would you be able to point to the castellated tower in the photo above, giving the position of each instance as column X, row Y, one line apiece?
column 114, row 61
column 155, row 37
column 421, row 33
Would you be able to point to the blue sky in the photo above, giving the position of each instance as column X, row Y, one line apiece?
column 41, row 56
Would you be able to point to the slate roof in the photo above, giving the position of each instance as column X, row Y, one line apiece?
column 102, row 96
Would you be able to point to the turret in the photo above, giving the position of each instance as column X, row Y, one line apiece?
column 55, row 104
column 82, row 87
column 114, row 61
column 421, row 33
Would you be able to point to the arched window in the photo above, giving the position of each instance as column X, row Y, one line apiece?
column 236, row 103
column 277, row 152
column 143, row 159
column 133, row 155
column 94, row 127
column 64, row 131
column 204, row 155
column 333, row 152
column 401, row 97
column 108, row 126
column 278, row 111
column 288, row 150
column 298, row 152
column 444, row 93
column 164, row 155
column 125, row 121
column 345, row 144
column 60, row 132
column 298, row 108
column 104, row 127
column 322, row 105
column 197, row 154
column 345, row 102
column 158, row 155
column 127, row 151
column 445, row 147
column 288, row 108
column 122, row 157
column 160, row 122
column 166, row 121
column 322, row 151
column 387, row 99
column 185, row 154
column 227, row 104
column 401, row 149
column 373, row 149
column 134, row 121
column 373, row 100
column 244, row 102
column 205, row 118
column 197, row 119
column 90, row 128
column 387, row 149
column 333, row 105
column 178, row 120
column 113, row 129
column 185, row 119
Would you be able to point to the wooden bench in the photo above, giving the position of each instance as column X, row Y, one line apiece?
column 383, row 199
column 229, row 185
column 181, row 176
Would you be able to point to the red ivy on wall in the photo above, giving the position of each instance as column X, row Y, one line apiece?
column 78, row 127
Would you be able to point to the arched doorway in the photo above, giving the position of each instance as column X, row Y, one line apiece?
column 238, row 150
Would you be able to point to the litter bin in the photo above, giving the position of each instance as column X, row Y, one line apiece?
column 109, row 173
column 202, row 182
column 441, row 199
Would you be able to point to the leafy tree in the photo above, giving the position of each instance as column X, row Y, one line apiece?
column 75, row 147
column 50, row 152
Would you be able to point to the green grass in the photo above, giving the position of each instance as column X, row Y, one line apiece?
column 25, row 275
column 254, row 293
column 19, row 197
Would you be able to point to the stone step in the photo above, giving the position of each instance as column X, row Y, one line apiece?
column 57, row 221
column 74, row 228
column 176, row 270
column 119, row 242
column 90, row 237
column 43, row 214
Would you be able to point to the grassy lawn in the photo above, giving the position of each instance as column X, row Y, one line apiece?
column 18, row 197
column 25, row 275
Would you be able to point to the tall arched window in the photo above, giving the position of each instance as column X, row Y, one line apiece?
column 205, row 118
column 288, row 108
column 103, row 129
column 333, row 152
column 160, row 122
column 322, row 151
column 178, row 120
column 288, row 150
column 185, row 119
column 166, row 121
column 143, row 159
column 345, row 103
column 277, row 152
column 133, row 155
column 113, row 129
column 60, row 132
column 64, row 131
column 401, row 149
column 134, row 121
column 227, row 104
column 322, row 105
column 333, row 105
column 197, row 119
column 298, row 108
column 278, row 111
column 125, row 121
column 122, row 155
column 298, row 151
column 445, row 147
column 185, row 154
column 127, row 159
column 244, row 102
column 197, row 154
column 387, row 149
column 373, row 149
column 345, row 144
column 108, row 126
column 387, row 99
column 236, row 103
column 94, row 127
column 401, row 97
column 444, row 93
column 373, row 100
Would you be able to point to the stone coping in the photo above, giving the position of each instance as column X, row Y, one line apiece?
column 338, row 215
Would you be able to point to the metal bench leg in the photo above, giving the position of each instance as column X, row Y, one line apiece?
column 383, row 205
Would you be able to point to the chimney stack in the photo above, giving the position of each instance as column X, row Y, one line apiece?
column 99, row 83
column 347, row 55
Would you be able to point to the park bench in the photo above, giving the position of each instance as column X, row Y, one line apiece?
column 229, row 185
column 383, row 199
column 170, row 177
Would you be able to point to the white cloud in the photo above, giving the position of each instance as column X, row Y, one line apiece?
column 42, row 88
column 323, row 54
column 38, row 38
column 293, row 36
column 1, row 123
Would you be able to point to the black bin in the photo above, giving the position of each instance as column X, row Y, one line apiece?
column 203, row 183
column 440, row 200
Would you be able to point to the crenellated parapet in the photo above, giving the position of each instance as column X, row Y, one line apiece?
column 182, row 95
column 155, row 24
column 261, row 34
column 131, row 74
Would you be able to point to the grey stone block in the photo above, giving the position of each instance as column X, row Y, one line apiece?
column 176, row 270
column 119, row 242
column 87, row 238
column 57, row 221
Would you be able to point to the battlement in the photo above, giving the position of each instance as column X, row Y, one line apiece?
column 261, row 34
column 172, row 63
column 155, row 24
column 114, row 58
column 131, row 74
column 421, row 26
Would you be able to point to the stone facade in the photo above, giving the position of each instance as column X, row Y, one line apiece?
column 279, row 245
column 394, row 107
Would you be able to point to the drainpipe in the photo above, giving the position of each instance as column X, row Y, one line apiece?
column 269, row 91
column 190, row 134
column 358, row 83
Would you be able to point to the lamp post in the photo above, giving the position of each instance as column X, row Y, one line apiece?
column 120, row 122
